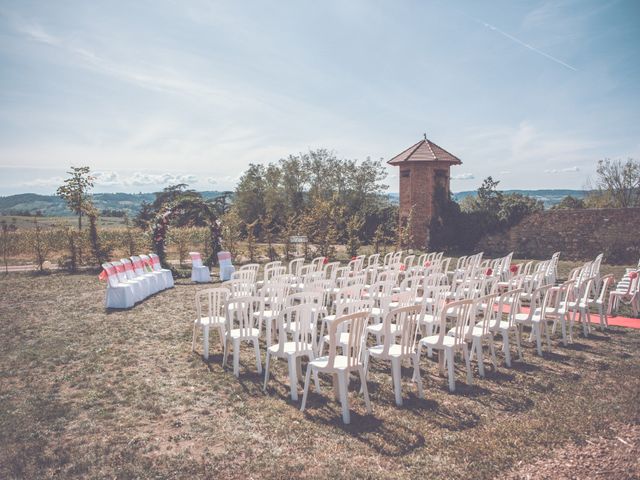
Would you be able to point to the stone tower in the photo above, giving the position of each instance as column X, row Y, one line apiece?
column 422, row 167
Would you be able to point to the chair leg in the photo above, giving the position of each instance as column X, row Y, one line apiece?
column 236, row 357
column 493, row 352
column 266, row 371
column 546, row 331
column 477, row 346
column 343, row 378
column 306, row 388
column 417, row 376
column 293, row 377
column 518, row 337
column 536, row 328
column 507, row 348
column 365, row 390
column 225, row 352
column 205, row 342
column 397, row 384
column 466, row 351
column 193, row 342
column 563, row 325
column 256, row 347
column 452, row 380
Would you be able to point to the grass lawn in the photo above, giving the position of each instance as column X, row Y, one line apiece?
column 90, row 393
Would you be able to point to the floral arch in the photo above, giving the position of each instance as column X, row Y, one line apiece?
column 160, row 226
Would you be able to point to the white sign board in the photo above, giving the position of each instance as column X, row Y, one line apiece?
column 298, row 239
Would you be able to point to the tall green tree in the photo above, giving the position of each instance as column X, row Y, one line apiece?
column 75, row 191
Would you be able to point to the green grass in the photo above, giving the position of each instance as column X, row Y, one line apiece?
column 26, row 223
column 95, row 394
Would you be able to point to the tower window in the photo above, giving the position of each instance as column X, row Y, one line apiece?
column 405, row 173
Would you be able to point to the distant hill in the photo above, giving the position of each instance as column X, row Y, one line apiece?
column 548, row 197
column 52, row 206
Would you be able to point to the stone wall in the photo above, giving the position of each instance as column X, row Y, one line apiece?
column 578, row 234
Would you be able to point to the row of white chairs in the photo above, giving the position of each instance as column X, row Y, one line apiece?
column 131, row 280
column 297, row 308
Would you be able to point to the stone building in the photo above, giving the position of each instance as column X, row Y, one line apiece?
column 423, row 168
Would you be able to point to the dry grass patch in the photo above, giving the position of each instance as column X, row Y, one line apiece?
column 90, row 393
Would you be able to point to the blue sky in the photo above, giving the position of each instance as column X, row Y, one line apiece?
column 149, row 93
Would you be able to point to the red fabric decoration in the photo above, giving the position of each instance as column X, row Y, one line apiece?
column 119, row 268
column 403, row 267
column 633, row 274
column 513, row 268
column 354, row 258
column 103, row 275
column 489, row 272
column 427, row 264
column 325, row 261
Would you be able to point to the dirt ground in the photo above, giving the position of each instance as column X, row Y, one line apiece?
column 90, row 393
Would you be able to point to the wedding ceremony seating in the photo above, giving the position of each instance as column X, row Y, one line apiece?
column 338, row 319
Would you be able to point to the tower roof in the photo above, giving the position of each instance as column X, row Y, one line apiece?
column 425, row 151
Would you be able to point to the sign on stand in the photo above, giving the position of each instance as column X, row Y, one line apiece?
column 298, row 240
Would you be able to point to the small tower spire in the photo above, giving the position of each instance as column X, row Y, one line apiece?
column 425, row 135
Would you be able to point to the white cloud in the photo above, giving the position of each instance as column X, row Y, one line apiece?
column 463, row 176
column 107, row 178
column 212, row 180
column 44, row 182
column 562, row 170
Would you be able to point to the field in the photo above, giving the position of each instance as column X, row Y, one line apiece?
column 91, row 393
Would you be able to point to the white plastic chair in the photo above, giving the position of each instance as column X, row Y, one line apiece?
column 534, row 318
column 242, row 326
column 299, row 322
column 118, row 295
column 601, row 298
column 340, row 366
column 398, row 346
column 626, row 292
column 199, row 273
column 448, row 345
column 166, row 273
column 210, row 313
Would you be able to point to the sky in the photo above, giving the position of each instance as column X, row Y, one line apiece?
column 151, row 93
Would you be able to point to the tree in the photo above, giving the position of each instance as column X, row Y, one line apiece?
column 405, row 233
column 75, row 191
column 354, row 226
column 569, row 203
column 621, row 180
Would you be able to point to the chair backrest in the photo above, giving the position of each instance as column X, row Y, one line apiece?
column 508, row 303
column 605, row 284
column 211, row 303
column 295, row 264
column 355, row 324
column 240, row 287
column 120, row 272
column 240, row 315
column 155, row 262
column 388, row 258
column 112, row 275
column 224, row 259
column 485, row 305
column 407, row 320
column 137, row 265
column 274, row 295
column 539, row 298
column 373, row 260
column 460, row 310
column 244, row 275
column 331, row 269
column 253, row 267
column 312, row 297
column 273, row 271
column 318, row 263
column 128, row 268
column 146, row 263
column 305, row 319
column 196, row 259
